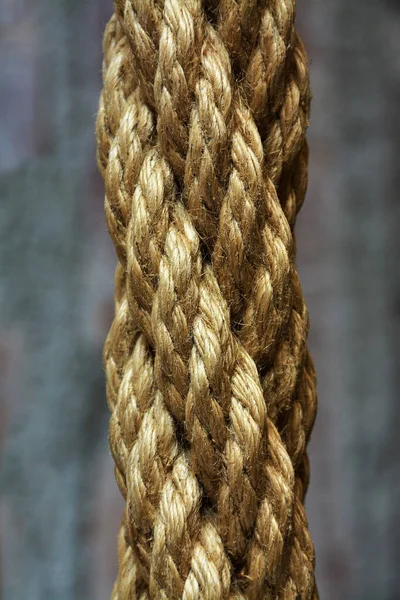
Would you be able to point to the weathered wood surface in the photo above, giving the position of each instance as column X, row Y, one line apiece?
column 60, row 507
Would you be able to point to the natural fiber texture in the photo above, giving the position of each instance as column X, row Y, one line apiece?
column 201, row 143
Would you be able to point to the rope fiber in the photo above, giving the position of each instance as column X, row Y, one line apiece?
column 201, row 144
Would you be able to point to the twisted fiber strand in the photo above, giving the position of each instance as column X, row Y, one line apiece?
column 277, row 19
column 277, row 46
column 156, row 464
column 118, row 99
column 113, row 103
column 247, row 215
column 168, row 89
column 301, row 415
column 128, row 409
column 238, row 23
column 276, row 75
column 207, row 162
column 281, row 380
column 167, row 92
column 152, row 453
column 174, row 80
column 213, row 138
column 232, row 464
column 125, row 435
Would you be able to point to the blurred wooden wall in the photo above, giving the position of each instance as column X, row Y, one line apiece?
column 59, row 507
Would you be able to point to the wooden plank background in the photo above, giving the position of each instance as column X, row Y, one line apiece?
column 59, row 505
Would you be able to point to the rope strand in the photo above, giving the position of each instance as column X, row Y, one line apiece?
column 201, row 144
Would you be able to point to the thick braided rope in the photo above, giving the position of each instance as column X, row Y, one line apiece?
column 201, row 143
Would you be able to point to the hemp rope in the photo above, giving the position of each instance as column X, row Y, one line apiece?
column 201, row 144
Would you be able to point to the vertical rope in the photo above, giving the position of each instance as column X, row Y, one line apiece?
column 201, row 143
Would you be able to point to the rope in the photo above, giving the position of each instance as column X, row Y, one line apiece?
column 201, row 144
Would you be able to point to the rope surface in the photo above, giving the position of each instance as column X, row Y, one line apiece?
column 201, row 144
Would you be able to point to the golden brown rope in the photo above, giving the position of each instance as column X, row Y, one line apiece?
column 201, row 143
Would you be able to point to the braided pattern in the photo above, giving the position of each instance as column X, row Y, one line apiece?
column 201, row 144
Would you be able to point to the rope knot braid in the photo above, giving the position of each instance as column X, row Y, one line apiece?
column 201, row 144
